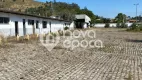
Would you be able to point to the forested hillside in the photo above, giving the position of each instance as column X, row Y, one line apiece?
column 61, row 9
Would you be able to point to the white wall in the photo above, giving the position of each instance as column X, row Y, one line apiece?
column 9, row 29
column 101, row 25
column 72, row 25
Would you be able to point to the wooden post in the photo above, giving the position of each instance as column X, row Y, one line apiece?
column 37, row 35
column 17, row 37
column 27, row 37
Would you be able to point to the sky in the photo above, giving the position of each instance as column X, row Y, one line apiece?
column 108, row 8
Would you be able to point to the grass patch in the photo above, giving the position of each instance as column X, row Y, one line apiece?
column 129, row 77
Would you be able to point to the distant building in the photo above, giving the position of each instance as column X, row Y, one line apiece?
column 132, row 21
column 82, row 21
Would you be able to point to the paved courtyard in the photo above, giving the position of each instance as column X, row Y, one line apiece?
column 119, row 59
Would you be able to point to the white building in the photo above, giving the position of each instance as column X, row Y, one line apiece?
column 82, row 21
column 13, row 23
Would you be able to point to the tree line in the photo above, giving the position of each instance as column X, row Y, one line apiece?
column 68, row 11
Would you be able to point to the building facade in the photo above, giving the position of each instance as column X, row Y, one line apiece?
column 15, row 23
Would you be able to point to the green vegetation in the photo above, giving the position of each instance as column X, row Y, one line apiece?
column 60, row 9
column 53, row 34
column 122, row 25
column 121, row 20
column 66, row 28
column 107, row 25
column 135, row 27
column 18, row 5
column 102, row 19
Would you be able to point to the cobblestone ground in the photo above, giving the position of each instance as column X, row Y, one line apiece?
column 120, row 59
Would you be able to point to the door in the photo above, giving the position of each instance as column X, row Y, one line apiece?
column 24, row 27
column 37, row 24
column 16, row 28
column 50, row 26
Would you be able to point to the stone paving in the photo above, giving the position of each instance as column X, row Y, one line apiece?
column 120, row 59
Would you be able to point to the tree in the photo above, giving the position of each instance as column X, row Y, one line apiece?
column 120, row 18
column 106, row 20
column 89, row 13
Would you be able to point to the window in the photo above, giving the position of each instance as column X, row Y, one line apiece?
column 44, row 23
column 4, row 20
column 30, row 22
column 37, row 24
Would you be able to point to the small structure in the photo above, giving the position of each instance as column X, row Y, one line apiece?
column 82, row 21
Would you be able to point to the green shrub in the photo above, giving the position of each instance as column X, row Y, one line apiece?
column 140, row 27
column 54, row 34
column 107, row 25
column 61, row 33
column 123, row 25
column 135, row 27
column 66, row 28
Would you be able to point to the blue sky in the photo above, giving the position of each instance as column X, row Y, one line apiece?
column 108, row 8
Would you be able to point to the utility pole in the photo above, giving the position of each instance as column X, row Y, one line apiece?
column 136, row 11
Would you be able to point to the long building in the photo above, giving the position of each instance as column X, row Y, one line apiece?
column 16, row 23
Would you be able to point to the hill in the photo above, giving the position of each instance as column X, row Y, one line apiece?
column 61, row 10
column 18, row 5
